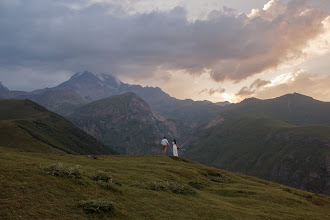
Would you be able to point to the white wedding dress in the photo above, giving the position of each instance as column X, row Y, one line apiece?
column 175, row 150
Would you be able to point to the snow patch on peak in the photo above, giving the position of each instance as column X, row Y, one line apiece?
column 100, row 77
column 117, row 81
column 3, row 87
column 104, row 77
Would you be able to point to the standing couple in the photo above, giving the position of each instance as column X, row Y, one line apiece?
column 164, row 144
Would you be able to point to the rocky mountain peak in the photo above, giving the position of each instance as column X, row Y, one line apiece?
column 98, row 77
column 3, row 87
column 92, row 86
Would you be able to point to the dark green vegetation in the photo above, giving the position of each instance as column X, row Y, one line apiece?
column 126, row 123
column 141, row 188
column 28, row 126
column 269, row 149
column 291, row 108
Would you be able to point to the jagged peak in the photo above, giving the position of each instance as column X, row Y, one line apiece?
column 3, row 87
column 100, row 76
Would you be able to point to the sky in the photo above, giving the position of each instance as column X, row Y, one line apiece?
column 217, row 50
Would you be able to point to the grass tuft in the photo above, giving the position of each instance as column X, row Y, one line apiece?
column 61, row 171
column 174, row 187
column 102, row 177
column 198, row 184
column 106, row 181
column 97, row 206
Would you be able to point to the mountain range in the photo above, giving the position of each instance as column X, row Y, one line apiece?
column 285, row 139
column 85, row 87
column 126, row 123
column 293, row 108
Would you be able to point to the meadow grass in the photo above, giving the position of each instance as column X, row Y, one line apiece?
column 147, row 187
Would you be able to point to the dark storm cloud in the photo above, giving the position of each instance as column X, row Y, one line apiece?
column 49, row 35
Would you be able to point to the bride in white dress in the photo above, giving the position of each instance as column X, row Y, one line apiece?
column 175, row 148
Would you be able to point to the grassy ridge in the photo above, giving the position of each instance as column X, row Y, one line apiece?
column 144, row 189
column 28, row 126
column 268, row 149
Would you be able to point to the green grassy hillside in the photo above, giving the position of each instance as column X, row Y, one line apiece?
column 291, row 108
column 269, row 149
column 28, row 126
column 124, row 122
column 49, row 186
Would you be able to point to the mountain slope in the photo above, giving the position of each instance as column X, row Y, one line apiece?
column 194, row 113
column 269, row 149
column 141, row 188
column 292, row 108
column 92, row 86
column 28, row 126
column 85, row 87
column 125, row 122
column 3, row 88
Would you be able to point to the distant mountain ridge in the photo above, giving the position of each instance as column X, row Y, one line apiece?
column 285, row 139
column 293, row 108
column 126, row 123
column 85, row 87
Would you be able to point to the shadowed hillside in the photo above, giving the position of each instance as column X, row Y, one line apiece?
column 267, row 148
column 28, row 126
column 127, row 123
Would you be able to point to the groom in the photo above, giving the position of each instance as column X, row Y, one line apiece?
column 164, row 144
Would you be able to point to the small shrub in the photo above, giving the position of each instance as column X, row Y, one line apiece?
column 61, row 171
column 198, row 184
column 179, row 188
column 108, row 186
column 222, row 179
column 105, row 178
column 211, row 172
column 174, row 187
column 158, row 186
column 97, row 206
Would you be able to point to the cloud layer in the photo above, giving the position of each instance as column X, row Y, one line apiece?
column 60, row 36
column 314, row 85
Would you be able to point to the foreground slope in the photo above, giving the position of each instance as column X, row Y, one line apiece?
column 269, row 149
column 28, row 126
column 125, row 122
column 140, row 187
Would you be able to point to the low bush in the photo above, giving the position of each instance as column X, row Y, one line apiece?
column 61, row 171
column 174, row 187
column 105, row 178
column 198, row 184
column 97, row 206
column 109, row 186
